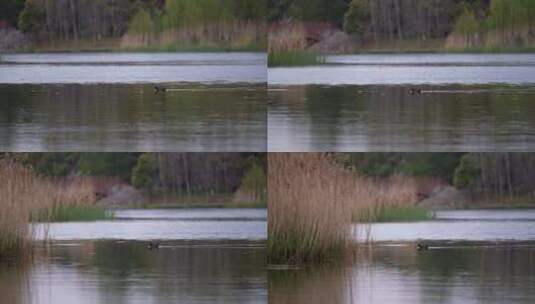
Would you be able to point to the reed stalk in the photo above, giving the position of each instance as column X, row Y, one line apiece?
column 25, row 196
column 313, row 201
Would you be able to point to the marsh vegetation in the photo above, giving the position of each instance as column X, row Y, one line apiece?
column 350, row 26
column 320, row 202
column 172, row 25
column 26, row 196
column 42, row 189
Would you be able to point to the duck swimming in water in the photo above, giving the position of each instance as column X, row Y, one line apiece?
column 153, row 246
column 158, row 89
column 421, row 247
column 414, row 91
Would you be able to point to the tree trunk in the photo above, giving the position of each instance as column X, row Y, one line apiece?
column 398, row 19
column 74, row 20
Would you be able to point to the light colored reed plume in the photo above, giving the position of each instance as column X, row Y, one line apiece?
column 23, row 194
column 313, row 201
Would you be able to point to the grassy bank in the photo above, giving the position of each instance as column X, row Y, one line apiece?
column 306, row 58
column 229, row 205
column 517, row 201
column 294, row 58
column 221, row 200
column 394, row 214
column 79, row 213
column 114, row 45
column 441, row 49
column 287, row 46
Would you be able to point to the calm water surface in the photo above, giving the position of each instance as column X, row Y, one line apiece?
column 127, row 272
column 361, row 103
column 476, row 225
column 175, row 224
column 132, row 117
column 443, row 118
column 205, row 256
column 106, row 102
column 474, row 257
column 412, row 69
column 83, row 68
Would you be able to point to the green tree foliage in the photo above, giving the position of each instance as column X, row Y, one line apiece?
column 32, row 18
column 141, row 23
column 184, row 13
column 468, row 173
column 478, row 21
column 255, row 181
column 99, row 19
column 88, row 164
column 250, row 10
column 183, row 173
column 145, row 173
column 51, row 164
column 467, row 24
column 309, row 10
column 411, row 164
column 511, row 14
column 106, row 164
column 357, row 17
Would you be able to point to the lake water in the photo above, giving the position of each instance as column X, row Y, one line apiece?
column 165, row 224
column 479, row 256
column 91, row 68
column 412, row 69
column 362, row 103
column 369, row 118
column 205, row 256
column 107, row 102
column 132, row 117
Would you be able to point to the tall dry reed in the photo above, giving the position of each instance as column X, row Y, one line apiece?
column 313, row 200
column 309, row 207
column 285, row 37
column 288, row 46
column 17, row 202
column 223, row 35
column 23, row 194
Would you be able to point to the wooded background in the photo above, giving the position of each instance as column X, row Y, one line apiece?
column 52, row 20
column 180, row 173
column 466, row 23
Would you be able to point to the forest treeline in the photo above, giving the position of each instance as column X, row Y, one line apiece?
column 142, row 23
column 180, row 173
column 496, row 174
column 451, row 23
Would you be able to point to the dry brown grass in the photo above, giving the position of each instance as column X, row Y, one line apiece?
column 23, row 194
column 313, row 200
column 285, row 37
column 309, row 207
column 235, row 35
column 493, row 40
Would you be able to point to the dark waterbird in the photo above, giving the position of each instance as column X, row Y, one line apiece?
column 414, row 91
column 153, row 246
column 158, row 89
column 421, row 247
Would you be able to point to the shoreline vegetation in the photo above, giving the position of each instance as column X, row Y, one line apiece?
column 314, row 204
column 26, row 197
column 114, row 46
column 66, row 187
column 385, row 27
column 287, row 46
column 317, row 201
column 135, row 26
